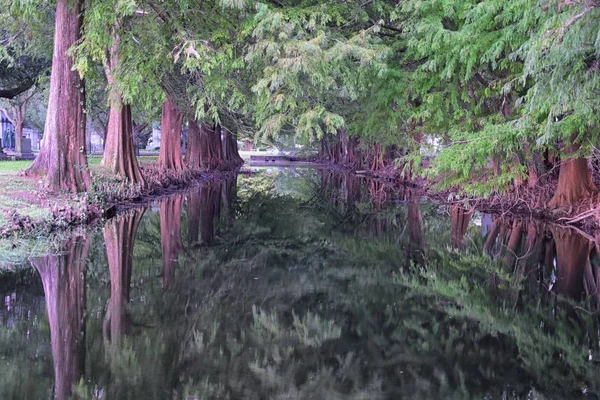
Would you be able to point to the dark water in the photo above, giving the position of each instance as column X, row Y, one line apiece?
column 305, row 285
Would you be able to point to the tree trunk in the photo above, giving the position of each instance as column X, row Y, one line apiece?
column 170, row 145
column 63, row 278
column 19, row 130
column 193, row 154
column 119, row 236
column 231, row 155
column 62, row 160
column 574, row 182
column 119, row 151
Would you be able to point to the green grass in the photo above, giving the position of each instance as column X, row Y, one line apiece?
column 13, row 167
column 27, row 195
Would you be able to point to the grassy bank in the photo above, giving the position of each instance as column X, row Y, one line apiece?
column 28, row 197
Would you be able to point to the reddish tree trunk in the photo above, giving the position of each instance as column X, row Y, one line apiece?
column 119, row 237
column 170, row 145
column 170, row 235
column 62, row 159
column 574, row 182
column 231, row 156
column 377, row 162
column 119, row 151
column 193, row 153
column 63, row 278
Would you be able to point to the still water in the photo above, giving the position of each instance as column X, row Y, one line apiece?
column 304, row 284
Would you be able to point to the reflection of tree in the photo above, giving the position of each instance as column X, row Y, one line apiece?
column 572, row 255
column 210, row 212
column 415, row 227
column 63, row 278
column 119, row 236
column 302, row 299
column 170, row 234
column 460, row 218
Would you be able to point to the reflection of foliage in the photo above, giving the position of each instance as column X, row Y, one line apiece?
column 306, row 296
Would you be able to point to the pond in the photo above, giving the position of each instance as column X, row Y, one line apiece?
column 304, row 284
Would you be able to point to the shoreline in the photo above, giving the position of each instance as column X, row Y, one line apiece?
column 113, row 196
column 109, row 196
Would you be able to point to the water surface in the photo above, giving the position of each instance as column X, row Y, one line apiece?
column 304, row 284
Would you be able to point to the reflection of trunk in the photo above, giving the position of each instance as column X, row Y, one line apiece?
column 492, row 236
column 170, row 235
column 415, row 228
column 170, row 145
column 460, row 218
column 228, row 195
column 574, row 182
column 119, row 236
column 514, row 243
column 63, row 278
column 572, row 254
column 591, row 279
column 194, row 204
column 530, row 260
column 211, row 211
column 62, row 159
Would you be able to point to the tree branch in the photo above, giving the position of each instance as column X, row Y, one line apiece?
column 11, row 93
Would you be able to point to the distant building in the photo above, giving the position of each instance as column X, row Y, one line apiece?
column 154, row 141
column 7, row 134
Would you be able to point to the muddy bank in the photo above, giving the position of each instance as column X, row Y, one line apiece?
column 521, row 200
column 109, row 196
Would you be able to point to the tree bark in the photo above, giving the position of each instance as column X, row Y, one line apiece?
column 195, row 147
column 62, row 159
column 119, row 150
column 231, row 156
column 63, row 278
column 574, row 182
column 170, row 146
